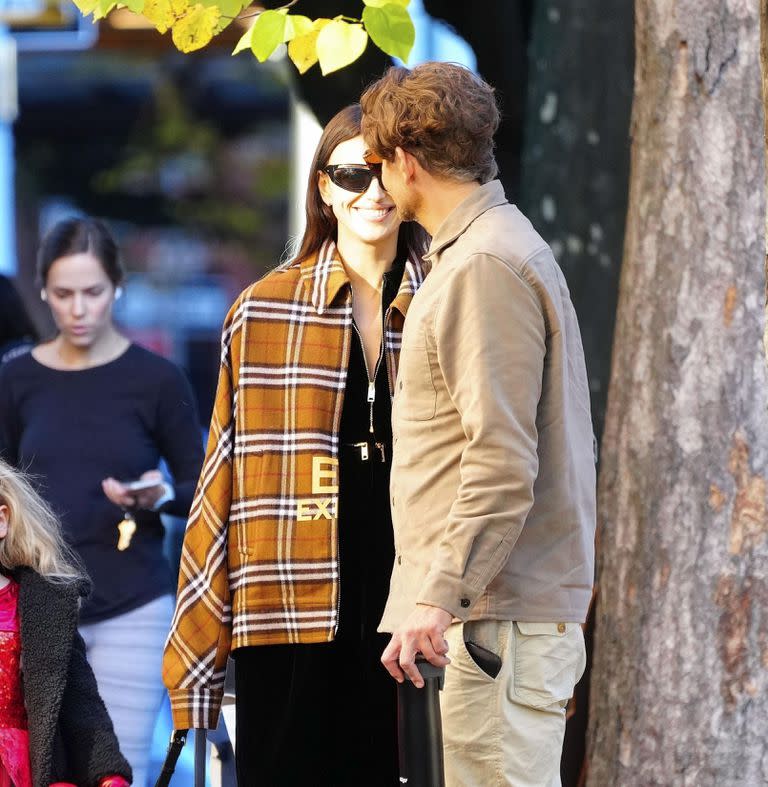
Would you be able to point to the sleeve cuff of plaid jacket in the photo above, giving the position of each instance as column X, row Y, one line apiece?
column 195, row 709
column 448, row 593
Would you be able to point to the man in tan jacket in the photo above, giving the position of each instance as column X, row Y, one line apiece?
column 493, row 476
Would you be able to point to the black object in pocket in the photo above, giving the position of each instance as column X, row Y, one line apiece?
column 486, row 659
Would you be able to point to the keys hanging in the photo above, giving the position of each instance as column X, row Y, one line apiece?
column 126, row 528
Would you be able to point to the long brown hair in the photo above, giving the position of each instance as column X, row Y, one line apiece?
column 320, row 221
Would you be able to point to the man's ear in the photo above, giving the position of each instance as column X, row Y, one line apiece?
column 4, row 517
column 324, row 184
column 407, row 164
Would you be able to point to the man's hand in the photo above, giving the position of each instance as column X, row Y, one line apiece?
column 422, row 632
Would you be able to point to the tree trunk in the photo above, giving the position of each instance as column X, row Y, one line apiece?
column 680, row 675
column 764, row 72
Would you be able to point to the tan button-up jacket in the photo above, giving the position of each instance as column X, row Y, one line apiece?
column 493, row 477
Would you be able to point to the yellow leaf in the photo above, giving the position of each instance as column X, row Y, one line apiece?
column 159, row 13
column 163, row 13
column 339, row 44
column 86, row 6
column 195, row 29
column 303, row 49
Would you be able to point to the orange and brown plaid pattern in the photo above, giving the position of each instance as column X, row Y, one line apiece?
column 259, row 563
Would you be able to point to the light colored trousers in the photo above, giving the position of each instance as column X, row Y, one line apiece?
column 125, row 653
column 509, row 730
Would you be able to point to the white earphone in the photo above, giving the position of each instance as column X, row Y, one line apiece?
column 43, row 295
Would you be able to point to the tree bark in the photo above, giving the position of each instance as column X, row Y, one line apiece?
column 680, row 676
column 764, row 74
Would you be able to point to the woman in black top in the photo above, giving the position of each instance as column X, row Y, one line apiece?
column 85, row 413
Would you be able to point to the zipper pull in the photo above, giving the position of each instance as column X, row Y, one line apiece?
column 371, row 391
column 363, row 450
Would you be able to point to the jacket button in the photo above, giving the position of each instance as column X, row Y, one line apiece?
column 399, row 560
column 561, row 628
column 400, row 385
column 465, row 602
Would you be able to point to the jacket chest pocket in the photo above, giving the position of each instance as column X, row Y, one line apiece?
column 416, row 397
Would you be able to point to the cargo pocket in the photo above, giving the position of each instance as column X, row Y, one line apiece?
column 549, row 660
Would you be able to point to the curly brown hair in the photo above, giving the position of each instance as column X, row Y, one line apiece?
column 441, row 113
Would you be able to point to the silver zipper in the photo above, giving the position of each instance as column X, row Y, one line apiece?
column 371, row 398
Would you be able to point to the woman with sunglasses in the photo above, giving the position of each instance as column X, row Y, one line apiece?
column 289, row 547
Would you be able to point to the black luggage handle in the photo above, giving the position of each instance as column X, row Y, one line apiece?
column 419, row 728
column 175, row 745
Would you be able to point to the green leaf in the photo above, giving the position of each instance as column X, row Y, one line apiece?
column 245, row 42
column 391, row 29
column 195, row 29
column 137, row 6
column 268, row 34
column 86, row 7
column 380, row 3
column 103, row 7
column 303, row 49
column 296, row 26
column 340, row 44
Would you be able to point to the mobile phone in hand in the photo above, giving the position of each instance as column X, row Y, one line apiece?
column 142, row 483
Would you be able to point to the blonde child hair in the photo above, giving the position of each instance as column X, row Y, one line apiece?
column 34, row 536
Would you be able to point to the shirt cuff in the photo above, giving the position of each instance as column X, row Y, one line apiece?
column 195, row 708
column 169, row 493
column 448, row 593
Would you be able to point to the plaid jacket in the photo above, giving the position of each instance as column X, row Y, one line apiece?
column 259, row 563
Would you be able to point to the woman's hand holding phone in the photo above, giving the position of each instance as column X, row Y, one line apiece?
column 141, row 493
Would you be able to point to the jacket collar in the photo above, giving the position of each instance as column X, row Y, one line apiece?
column 487, row 196
column 324, row 277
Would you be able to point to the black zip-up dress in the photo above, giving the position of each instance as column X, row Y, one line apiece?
column 326, row 714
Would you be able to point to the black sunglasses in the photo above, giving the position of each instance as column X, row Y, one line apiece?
column 354, row 177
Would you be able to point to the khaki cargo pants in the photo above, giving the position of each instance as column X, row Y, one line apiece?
column 509, row 730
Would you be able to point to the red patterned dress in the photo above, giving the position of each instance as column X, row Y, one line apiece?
column 14, row 742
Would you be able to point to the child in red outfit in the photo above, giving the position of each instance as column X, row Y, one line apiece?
column 54, row 728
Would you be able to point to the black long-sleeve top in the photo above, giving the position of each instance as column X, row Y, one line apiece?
column 71, row 429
